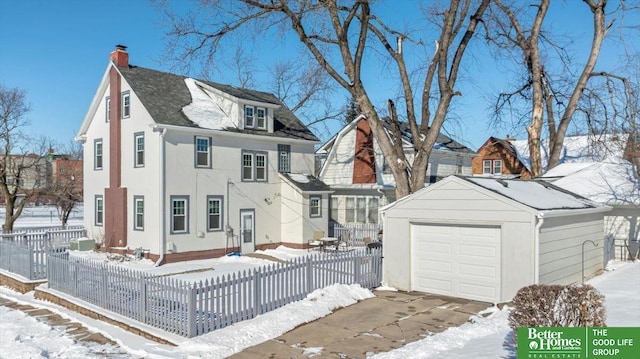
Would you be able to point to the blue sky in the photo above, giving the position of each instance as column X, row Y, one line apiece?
column 58, row 50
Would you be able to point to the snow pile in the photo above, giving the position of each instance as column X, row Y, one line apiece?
column 203, row 109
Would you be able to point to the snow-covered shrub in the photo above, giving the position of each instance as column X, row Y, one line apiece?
column 579, row 306
column 557, row 306
column 533, row 306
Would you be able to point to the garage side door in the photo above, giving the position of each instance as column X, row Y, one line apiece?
column 456, row 260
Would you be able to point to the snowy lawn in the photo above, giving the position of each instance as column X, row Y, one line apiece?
column 483, row 338
column 44, row 216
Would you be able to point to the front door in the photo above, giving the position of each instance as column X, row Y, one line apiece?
column 247, row 231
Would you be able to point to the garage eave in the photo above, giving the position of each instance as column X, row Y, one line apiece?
column 574, row 212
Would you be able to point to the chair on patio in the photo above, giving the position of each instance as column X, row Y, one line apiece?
column 315, row 242
column 367, row 241
column 343, row 243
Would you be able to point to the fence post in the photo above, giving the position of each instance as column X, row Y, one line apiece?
column 309, row 274
column 356, row 269
column 191, row 311
column 31, row 252
column 257, row 278
column 143, row 300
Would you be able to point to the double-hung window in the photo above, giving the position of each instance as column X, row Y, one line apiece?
column 138, row 213
column 361, row 211
column 138, row 145
column 126, row 104
column 254, row 166
column 284, row 158
column 249, row 117
column 334, row 209
column 350, row 209
column 372, row 214
column 97, row 154
column 261, row 118
column 492, row 166
column 179, row 214
column 214, row 213
column 315, row 209
column 99, row 210
column 255, row 117
column 107, row 111
column 203, row 151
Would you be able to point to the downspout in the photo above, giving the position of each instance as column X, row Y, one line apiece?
column 536, row 248
column 163, row 204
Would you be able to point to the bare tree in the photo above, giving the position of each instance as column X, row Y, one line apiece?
column 554, row 98
column 339, row 37
column 22, row 167
column 65, row 180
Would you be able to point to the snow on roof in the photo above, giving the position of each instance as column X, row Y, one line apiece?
column 535, row 194
column 299, row 177
column 203, row 110
column 612, row 182
column 591, row 148
column 565, row 169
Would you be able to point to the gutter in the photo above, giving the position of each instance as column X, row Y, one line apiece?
column 536, row 248
column 163, row 204
column 222, row 132
column 571, row 212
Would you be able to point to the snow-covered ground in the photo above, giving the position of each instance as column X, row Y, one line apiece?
column 43, row 216
column 483, row 338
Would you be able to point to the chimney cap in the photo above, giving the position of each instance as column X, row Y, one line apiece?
column 121, row 47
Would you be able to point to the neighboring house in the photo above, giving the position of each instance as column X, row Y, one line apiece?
column 25, row 175
column 185, row 169
column 351, row 162
column 613, row 182
column 510, row 158
column 485, row 238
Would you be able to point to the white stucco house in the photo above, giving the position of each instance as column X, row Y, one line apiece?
column 613, row 182
column 352, row 164
column 484, row 238
column 185, row 169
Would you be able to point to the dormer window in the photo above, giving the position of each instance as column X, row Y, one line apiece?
column 249, row 119
column 255, row 117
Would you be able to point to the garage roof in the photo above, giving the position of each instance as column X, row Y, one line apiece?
column 536, row 194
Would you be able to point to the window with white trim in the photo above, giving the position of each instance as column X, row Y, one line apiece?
column 284, row 158
column 97, row 154
column 126, row 104
column 138, row 213
column 492, row 166
column 99, row 210
column 214, row 213
column 179, row 214
column 138, row 144
column 254, row 166
column 203, row 151
column 372, row 213
column 255, row 117
column 350, row 210
column 334, row 209
column 249, row 117
column 315, row 209
column 361, row 210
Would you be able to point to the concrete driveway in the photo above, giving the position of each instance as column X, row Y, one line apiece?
column 388, row 321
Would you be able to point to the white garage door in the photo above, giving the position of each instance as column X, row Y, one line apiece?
column 460, row 261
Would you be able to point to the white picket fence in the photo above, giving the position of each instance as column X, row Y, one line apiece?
column 191, row 309
column 24, row 253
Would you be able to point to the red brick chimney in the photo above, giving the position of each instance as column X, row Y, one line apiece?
column 119, row 56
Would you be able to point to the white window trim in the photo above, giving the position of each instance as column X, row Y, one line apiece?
column 254, row 122
column 254, row 166
column 247, row 117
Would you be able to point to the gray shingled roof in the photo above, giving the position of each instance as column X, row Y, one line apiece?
column 164, row 95
column 442, row 140
column 313, row 184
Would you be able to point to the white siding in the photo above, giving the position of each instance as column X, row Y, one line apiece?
column 339, row 170
column 561, row 246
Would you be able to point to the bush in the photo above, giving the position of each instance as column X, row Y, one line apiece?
column 557, row 306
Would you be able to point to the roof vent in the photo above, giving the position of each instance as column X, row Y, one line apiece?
column 503, row 182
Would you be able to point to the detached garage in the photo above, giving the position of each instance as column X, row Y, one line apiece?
column 484, row 238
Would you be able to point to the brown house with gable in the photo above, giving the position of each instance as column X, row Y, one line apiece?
column 498, row 157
